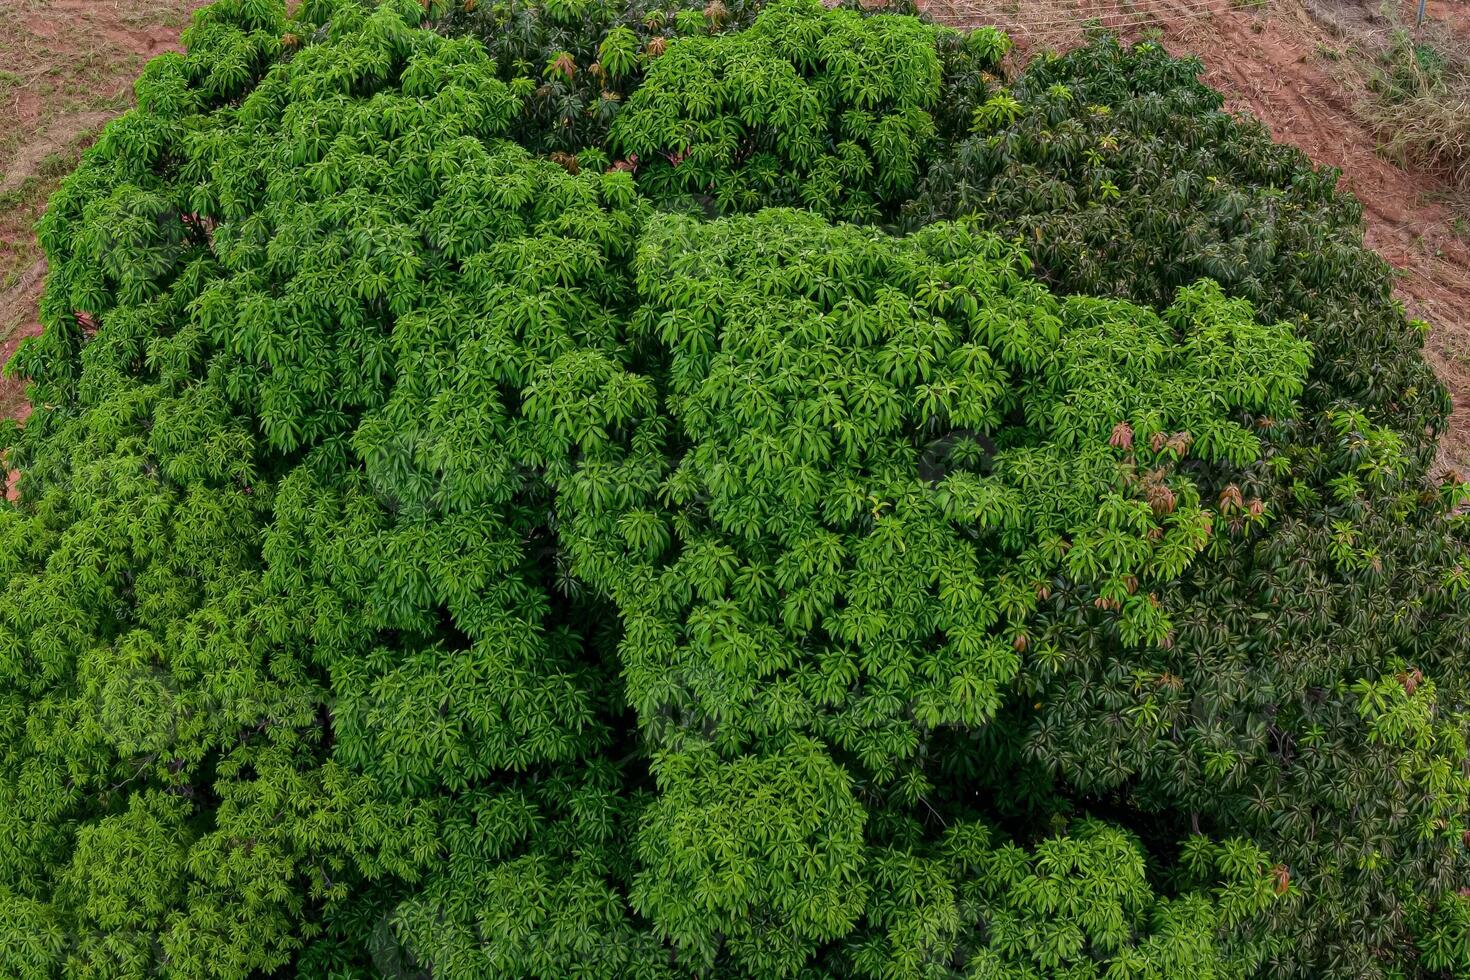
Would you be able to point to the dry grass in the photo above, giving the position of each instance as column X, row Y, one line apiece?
column 1421, row 110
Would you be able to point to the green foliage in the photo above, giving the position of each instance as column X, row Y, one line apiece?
column 822, row 108
column 221, row 591
column 574, row 63
column 852, row 526
column 762, row 855
column 440, row 548
column 1119, row 174
column 1101, row 919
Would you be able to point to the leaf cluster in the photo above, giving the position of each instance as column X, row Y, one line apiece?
column 486, row 515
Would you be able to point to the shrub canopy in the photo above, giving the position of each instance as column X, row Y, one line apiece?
column 596, row 490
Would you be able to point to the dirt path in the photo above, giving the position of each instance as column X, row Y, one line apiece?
column 1283, row 64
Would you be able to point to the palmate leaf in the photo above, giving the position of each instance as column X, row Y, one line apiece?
column 818, row 582
column 299, row 583
column 711, row 108
column 1346, row 574
column 443, row 547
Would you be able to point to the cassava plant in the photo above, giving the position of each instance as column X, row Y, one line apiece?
column 1120, row 174
column 643, row 490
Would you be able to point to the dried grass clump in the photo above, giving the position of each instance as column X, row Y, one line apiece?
column 1422, row 113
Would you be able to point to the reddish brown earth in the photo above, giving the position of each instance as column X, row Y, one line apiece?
column 68, row 65
column 17, row 307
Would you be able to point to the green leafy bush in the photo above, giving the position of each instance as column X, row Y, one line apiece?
column 1116, row 169
column 442, row 548
column 752, row 118
column 574, row 62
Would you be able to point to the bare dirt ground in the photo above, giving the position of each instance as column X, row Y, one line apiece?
column 66, row 68
column 67, row 65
